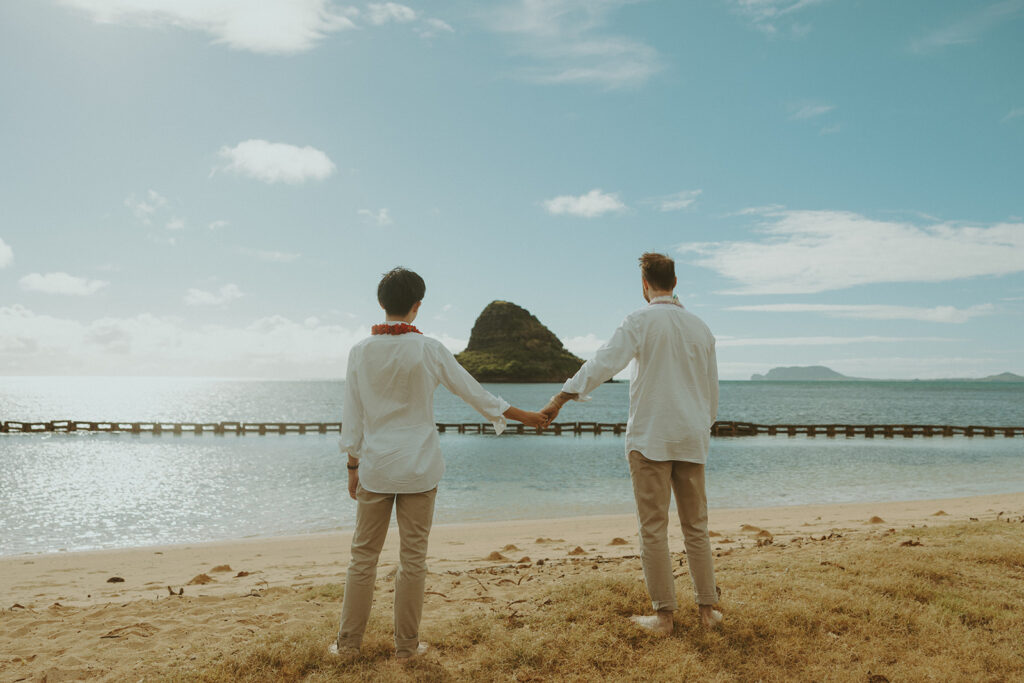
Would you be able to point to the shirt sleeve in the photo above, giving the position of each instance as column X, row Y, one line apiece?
column 351, row 441
column 458, row 381
column 609, row 360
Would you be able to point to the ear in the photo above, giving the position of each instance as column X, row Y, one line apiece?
column 674, row 282
column 416, row 306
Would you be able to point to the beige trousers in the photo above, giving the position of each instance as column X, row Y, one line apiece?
column 415, row 512
column 653, row 484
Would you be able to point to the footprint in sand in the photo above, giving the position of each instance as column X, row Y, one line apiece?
column 750, row 528
column 618, row 541
column 509, row 548
column 549, row 540
column 495, row 557
column 222, row 568
column 876, row 520
column 577, row 551
column 200, row 579
column 940, row 513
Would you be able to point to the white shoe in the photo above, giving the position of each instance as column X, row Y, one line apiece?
column 343, row 653
column 421, row 650
column 651, row 623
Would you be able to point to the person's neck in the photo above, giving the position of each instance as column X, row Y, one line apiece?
column 399, row 318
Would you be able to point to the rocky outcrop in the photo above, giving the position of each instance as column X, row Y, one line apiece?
column 508, row 344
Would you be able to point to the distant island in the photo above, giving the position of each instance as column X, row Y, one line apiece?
column 508, row 344
column 820, row 373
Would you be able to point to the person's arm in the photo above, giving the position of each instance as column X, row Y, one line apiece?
column 351, row 441
column 458, row 381
column 609, row 360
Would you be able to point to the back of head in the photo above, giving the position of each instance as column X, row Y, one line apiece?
column 399, row 290
column 659, row 271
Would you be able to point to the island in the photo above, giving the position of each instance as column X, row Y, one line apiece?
column 820, row 373
column 508, row 344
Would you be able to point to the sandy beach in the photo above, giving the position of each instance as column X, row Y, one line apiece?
column 146, row 613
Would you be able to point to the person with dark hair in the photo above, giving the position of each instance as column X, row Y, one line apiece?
column 394, row 455
column 673, row 401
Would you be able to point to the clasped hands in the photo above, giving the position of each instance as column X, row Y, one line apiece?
column 545, row 416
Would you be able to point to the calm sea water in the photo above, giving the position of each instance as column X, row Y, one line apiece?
column 79, row 491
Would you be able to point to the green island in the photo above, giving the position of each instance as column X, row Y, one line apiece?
column 509, row 344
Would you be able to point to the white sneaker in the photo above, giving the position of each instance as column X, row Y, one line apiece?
column 343, row 653
column 421, row 650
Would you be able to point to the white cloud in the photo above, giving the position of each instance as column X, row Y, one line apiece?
column 433, row 27
column 267, row 26
column 766, row 15
column 146, row 344
column 378, row 13
column 830, row 130
column 276, row 162
column 935, row 314
column 6, row 254
column 223, row 296
column 175, row 224
column 585, row 345
column 60, row 283
column 276, row 256
column 726, row 342
column 969, row 28
column 590, row 205
column 144, row 209
column 1014, row 113
column 815, row 251
column 564, row 39
column 217, row 225
column 454, row 344
column 810, row 111
column 675, row 202
column 380, row 217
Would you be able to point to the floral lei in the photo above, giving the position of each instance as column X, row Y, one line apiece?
column 400, row 328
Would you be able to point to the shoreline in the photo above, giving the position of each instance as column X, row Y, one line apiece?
column 79, row 578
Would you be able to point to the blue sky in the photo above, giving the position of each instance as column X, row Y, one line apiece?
column 203, row 188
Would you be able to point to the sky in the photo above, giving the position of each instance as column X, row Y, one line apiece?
column 214, row 188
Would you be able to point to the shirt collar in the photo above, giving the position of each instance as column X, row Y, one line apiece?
column 666, row 300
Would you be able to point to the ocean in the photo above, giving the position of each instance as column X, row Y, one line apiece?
column 66, row 492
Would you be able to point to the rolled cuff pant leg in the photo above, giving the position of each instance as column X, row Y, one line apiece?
column 373, row 513
column 652, row 490
column 692, row 505
column 415, row 512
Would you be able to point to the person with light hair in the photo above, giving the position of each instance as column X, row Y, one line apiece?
column 673, row 401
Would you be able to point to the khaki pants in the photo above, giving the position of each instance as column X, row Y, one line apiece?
column 415, row 512
column 653, row 484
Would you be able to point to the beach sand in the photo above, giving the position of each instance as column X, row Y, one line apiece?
column 111, row 615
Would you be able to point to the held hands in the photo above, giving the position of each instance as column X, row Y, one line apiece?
column 531, row 419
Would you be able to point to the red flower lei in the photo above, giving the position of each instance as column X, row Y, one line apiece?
column 400, row 328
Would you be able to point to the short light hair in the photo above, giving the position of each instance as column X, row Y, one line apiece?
column 659, row 271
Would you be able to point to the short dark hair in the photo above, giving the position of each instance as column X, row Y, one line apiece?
column 399, row 289
column 659, row 271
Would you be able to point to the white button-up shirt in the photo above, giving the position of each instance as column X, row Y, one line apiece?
column 673, row 394
column 388, row 415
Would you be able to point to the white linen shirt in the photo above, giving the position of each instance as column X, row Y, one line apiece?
column 388, row 415
column 673, row 394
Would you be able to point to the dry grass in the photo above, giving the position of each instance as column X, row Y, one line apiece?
column 843, row 608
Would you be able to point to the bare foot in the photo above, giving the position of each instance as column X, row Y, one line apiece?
column 657, row 623
column 710, row 617
column 421, row 650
